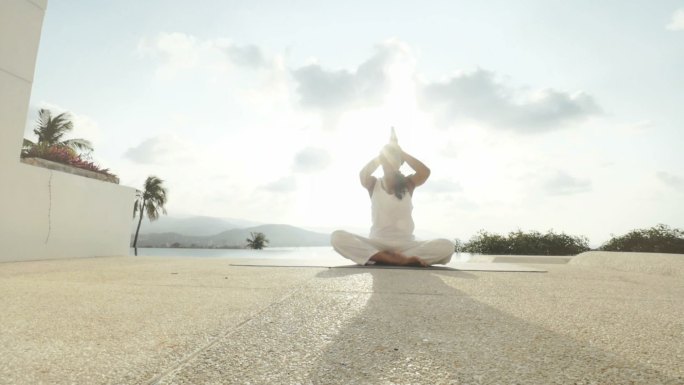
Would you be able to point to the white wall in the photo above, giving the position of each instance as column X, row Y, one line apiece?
column 44, row 213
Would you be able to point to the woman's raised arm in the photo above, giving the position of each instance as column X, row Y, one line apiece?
column 422, row 172
column 366, row 173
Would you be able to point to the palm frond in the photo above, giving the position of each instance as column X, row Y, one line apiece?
column 63, row 120
column 154, row 197
column 44, row 118
column 27, row 144
column 79, row 144
column 50, row 128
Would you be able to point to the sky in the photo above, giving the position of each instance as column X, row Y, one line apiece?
column 543, row 115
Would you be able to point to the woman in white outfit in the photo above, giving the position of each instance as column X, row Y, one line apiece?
column 391, row 239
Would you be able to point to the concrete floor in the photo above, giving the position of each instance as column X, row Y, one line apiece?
column 163, row 320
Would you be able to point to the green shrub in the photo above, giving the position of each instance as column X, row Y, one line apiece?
column 521, row 243
column 657, row 239
column 458, row 245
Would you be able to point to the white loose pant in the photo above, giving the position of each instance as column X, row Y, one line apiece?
column 359, row 249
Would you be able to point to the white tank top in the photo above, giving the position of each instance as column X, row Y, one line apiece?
column 391, row 216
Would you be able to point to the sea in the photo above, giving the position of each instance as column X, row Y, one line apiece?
column 267, row 253
column 274, row 253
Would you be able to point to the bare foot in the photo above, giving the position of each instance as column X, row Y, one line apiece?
column 409, row 261
column 416, row 261
column 398, row 259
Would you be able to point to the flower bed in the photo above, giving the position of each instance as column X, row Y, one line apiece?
column 65, row 159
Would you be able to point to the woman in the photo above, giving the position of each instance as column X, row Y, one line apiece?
column 391, row 239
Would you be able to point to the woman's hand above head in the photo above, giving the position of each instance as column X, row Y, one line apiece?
column 366, row 175
column 422, row 172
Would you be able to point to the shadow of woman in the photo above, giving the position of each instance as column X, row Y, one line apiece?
column 415, row 328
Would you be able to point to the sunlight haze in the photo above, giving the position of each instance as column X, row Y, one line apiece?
column 564, row 116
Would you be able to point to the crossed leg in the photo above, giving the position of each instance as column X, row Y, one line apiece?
column 411, row 253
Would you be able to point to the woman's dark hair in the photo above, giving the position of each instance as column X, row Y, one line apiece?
column 400, row 185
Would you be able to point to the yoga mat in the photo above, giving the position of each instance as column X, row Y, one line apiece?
column 452, row 266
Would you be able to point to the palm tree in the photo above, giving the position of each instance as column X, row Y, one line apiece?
column 256, row 241
column 149, row 201
column 51, row 129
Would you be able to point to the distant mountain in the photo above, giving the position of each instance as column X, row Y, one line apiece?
column 278, row 236
column 421, row 234
column 192, row 225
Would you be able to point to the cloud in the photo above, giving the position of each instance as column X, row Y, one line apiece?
column 161, row 150
column 311, row 159
column 439, row 186
column 639, row 126
column 247, row 56
column 178, row 51
column 326, row 89
column 282, row 185
column 674, row 181
column 677, row 21
column 561, row 183
column 319, row 88
column 480, row 96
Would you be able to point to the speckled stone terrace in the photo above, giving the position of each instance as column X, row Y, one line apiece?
column 164, row 320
